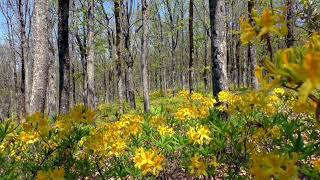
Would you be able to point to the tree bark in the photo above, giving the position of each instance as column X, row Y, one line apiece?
column 290, row 24
column 90, row 58
column 191, row 50
column 117, row 9
column 144, row 55
column 40, row 73
column 252, row 50
column 218, row 45
column 64, row 59
column 25, row 84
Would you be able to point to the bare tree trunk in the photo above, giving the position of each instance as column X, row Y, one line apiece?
column 191, row 50
column 25, row 84
column 52, row 107
column 90, row 58
column 218, row 45
column 290, row 24
column 40, row 73
column 117, row 9
column 144, row 55
column 64, row 60
column 205, row 71
column 252, row 50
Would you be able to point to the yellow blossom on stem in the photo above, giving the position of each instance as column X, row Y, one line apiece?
column 198, row 166
column 165, row 131
column 149, row 161
column 199, row 135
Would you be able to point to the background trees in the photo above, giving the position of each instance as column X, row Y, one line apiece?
column 97, row 53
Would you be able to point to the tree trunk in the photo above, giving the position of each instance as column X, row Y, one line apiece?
column 290, row 24
column 144, row 55
column 205, row 70
column 191, row 50
column 25, row 86
column 117, row 9
column 64, row 60
column 252, row 50
column 90, row 58
column 218, row 45
column 40, row 73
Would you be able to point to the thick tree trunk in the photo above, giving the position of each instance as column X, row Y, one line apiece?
column 218, row 45
column 64, row 60
column 144, row 55
column 90, row 59
column 191, row 50
column 117, row 9
column 40, row 72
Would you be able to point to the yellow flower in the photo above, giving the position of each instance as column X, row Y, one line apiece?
column 208, row 102
column 279, row 91
column 56, row 174
column 270, row 22
column 221, row 108
column 184, row 94
column 247, row 31
column 224, row 96
column 186, row 114
column 198, row 166
column 214, row 163
column 275, row 132
column 273, row 99
column 29, row 138
column 268, row 166
column 199, row 135
column 316, row 164
column 149, row 161
column 196, row 96
column 118, row 148
column 165, row 131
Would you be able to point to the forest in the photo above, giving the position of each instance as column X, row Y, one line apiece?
column 160, row 89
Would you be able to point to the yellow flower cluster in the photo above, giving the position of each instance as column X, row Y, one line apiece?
column 198, row 166
column 55, row 174
column 188, row 113
column 198, row 108
column 111, row 139
column 157, row 120
column 29, row 138
column 316, row 164
column 261, row 136
column 199, row 135
column 184, row 94
column 268, row 22
column 165, row 130
column 149, row 161
column 279, row 91
column 268, row 166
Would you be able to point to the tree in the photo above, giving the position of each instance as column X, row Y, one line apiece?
column 90, row 57
column 40, row 72
column 117, row 11
column 252, row 59
column 64, row 60
column 191, row 50
column 218, row 45
column 144, row 55
column 290, row 23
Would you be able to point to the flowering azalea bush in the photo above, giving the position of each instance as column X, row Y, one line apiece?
column 266, row 136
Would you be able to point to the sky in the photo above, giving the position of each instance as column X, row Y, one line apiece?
column 2, row 28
